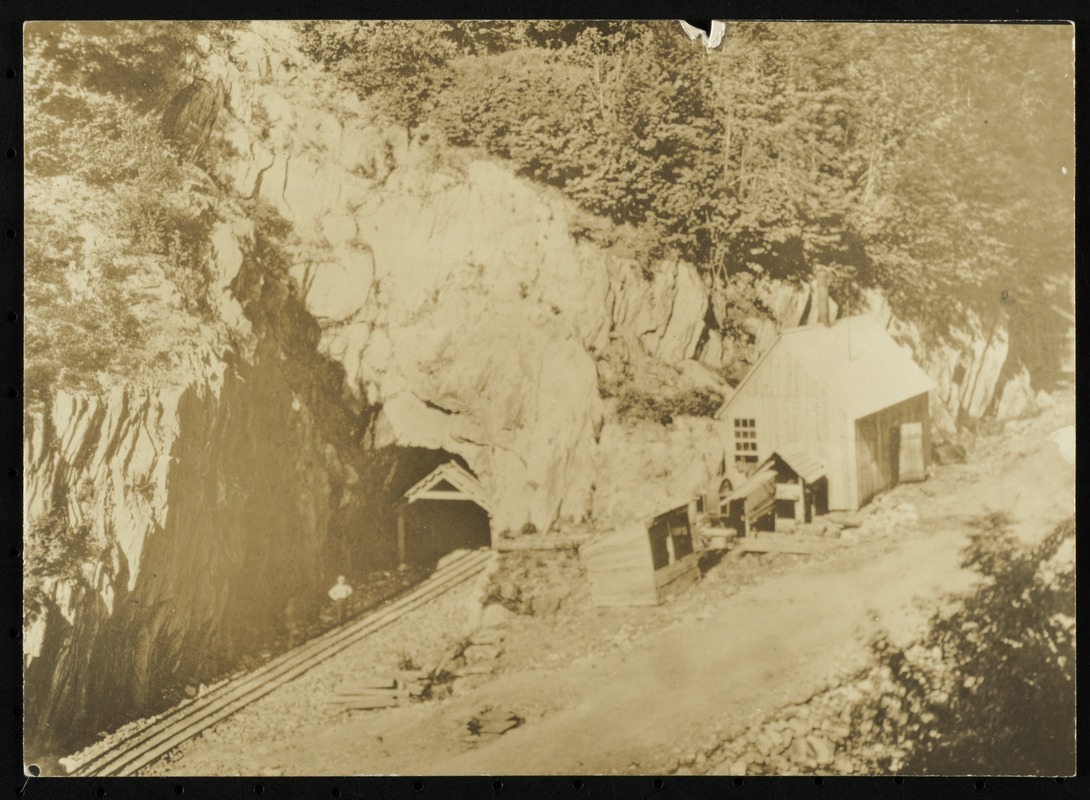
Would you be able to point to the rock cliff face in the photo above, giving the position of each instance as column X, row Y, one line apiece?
column 208, row 499
column 433, row 300
column 454, row 293
column 196, row 538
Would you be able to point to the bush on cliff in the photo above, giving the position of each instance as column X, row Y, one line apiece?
column 97, row 163
column 55, row 550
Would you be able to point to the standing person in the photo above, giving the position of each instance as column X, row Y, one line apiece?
column 339, row 595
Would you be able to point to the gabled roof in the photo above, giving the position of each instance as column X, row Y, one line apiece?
column 801, row 459
column 752, row 483
column 465, row 485
column 855, row 360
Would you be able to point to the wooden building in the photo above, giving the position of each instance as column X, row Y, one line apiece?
column 639, row 565
column 801, row 487
column 846, row 393
column 447, row 510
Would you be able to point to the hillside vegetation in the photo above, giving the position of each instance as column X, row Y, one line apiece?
column 934, row 161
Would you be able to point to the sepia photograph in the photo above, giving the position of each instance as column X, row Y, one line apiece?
column 559, row 397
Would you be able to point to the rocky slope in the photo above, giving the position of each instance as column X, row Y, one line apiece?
column 433, row 300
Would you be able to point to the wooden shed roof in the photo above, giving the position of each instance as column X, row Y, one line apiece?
column 857, row 362
column 463, row 486
column 752, row 483
column 805, row 463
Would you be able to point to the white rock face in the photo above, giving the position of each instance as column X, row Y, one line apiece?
column 453, row 292
column 644, row 469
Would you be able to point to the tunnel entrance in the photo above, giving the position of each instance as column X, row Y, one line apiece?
column 446, row 510
column 363, row 535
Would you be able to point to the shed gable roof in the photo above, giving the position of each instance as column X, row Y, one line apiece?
column 855, row 360
column 801, row 459
column 456, row 476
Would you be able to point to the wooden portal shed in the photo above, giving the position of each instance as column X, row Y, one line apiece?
column 642, row 563
column 846, row 392
column 801, row 485
column 446, row 510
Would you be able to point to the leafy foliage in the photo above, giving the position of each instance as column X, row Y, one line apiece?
column 991, row 685
column 634, row 403
column 924, row 159
column 79, row 320
column 54, row 550
column 95, row 91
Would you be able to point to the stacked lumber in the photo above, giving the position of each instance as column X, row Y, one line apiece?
column 398, row 688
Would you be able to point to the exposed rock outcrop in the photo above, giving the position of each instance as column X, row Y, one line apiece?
column 432, row 299
column 453, row 292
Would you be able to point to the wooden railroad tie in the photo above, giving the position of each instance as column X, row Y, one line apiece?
column 380, row 692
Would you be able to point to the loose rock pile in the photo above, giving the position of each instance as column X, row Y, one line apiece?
column 824, row 735
column 534, row 582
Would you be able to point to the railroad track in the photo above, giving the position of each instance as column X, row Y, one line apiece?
column 153, row 741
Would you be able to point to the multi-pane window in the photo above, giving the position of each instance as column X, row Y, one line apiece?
column 745, row 441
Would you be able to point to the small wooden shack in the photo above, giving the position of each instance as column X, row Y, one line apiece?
column 641, row 564
column 801, row 486
column 445, row 511
column 846, row 392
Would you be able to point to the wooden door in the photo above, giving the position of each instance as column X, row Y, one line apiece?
column 910, row 456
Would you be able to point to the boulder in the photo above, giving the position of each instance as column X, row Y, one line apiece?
column 845, row 519
column 946, row 453
column 800, row 751
column 823, row 750
column 728, row 767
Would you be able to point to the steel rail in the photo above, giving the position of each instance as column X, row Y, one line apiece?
column 149, row 743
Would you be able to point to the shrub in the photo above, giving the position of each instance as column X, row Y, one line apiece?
column 76, row 329
column 54, row 549
column 635, row 403
column 991, row 687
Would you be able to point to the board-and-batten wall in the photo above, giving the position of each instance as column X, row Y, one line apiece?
column 790, row 407
column 876, row 444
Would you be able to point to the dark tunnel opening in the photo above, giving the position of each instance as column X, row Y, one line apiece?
column 366, row 539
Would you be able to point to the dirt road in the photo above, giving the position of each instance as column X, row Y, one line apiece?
column 710, row 672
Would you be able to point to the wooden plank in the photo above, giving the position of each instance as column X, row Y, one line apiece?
column 910, row 453
column 669, row 572
column 498, row 726
column 678, row 583
column 400, row 538
column 788, row 491
column 365, row 706
column 358, row 684
column 366, row 693
column 782, row 543
column 440, row 494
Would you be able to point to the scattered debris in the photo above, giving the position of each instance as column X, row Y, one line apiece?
column 492, row 722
